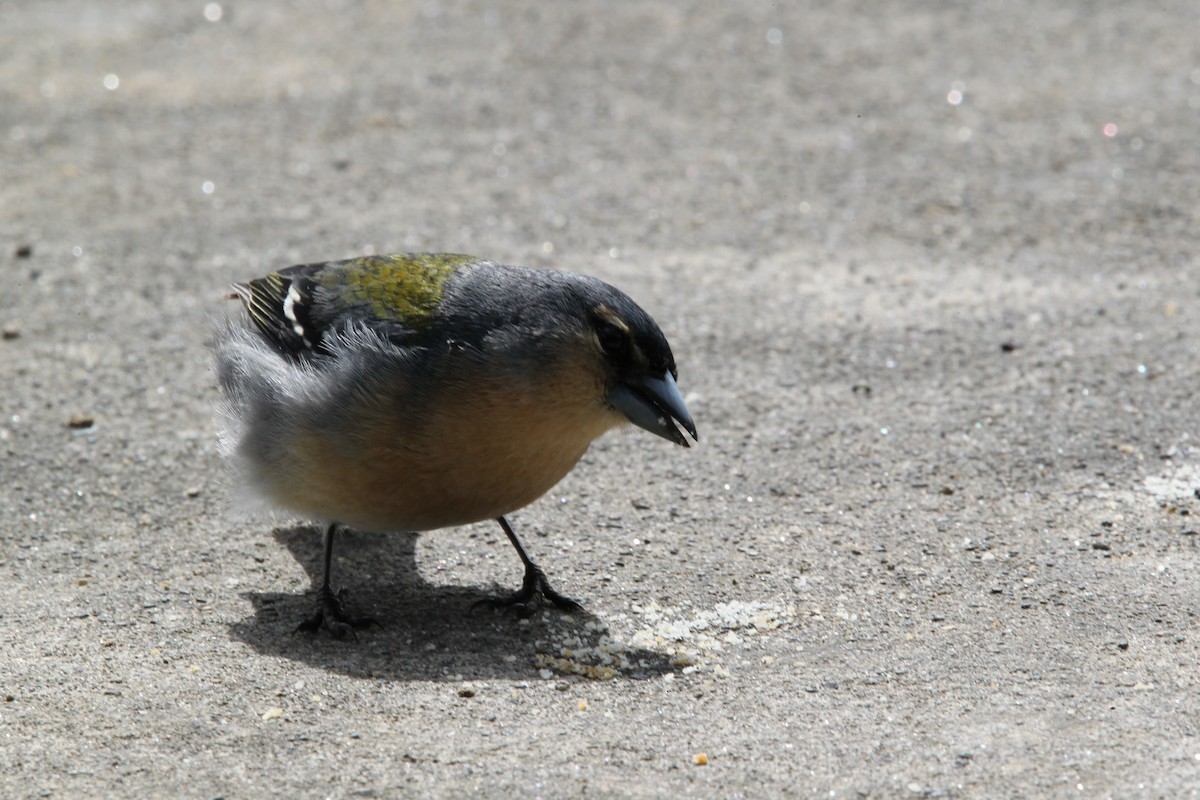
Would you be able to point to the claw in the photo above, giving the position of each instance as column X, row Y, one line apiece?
column 331, row 616
column 535, row 589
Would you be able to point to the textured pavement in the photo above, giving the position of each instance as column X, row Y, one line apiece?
column 930, row 275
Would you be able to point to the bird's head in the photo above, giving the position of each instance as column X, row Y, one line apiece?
column 639, row 367
column 547, row 324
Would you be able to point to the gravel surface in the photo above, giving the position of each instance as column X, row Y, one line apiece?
column 930, row 275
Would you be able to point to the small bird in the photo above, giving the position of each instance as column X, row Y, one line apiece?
column 412, row 392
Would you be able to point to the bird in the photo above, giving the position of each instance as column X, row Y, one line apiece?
column 420, row 391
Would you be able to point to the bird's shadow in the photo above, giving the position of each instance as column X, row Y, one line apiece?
column 425, row 631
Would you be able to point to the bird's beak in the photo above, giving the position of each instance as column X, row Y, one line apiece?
column 654, row 403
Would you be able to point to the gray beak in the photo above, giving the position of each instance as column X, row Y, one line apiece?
column 655, row 404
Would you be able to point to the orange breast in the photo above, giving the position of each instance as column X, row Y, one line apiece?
column 482, row 450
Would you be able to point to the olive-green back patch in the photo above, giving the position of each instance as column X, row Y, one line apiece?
column 406, row 287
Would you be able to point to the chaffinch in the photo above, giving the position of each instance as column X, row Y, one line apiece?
column 419, row 391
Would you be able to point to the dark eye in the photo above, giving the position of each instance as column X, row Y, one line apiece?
column 612, row 339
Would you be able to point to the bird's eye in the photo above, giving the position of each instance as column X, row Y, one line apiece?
column 612, row 339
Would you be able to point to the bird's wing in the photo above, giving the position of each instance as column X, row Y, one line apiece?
column 281, row 305
column 298, row 307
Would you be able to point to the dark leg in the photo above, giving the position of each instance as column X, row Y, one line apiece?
column 330, row 614
column 534, row 588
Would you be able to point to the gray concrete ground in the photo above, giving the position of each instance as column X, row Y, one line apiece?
column 930, row 274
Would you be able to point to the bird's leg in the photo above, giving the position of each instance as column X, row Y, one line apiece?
column 330, row 613
column 534, row 587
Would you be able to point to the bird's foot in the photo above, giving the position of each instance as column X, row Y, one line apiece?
column 331, row 616
column 528, row 599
